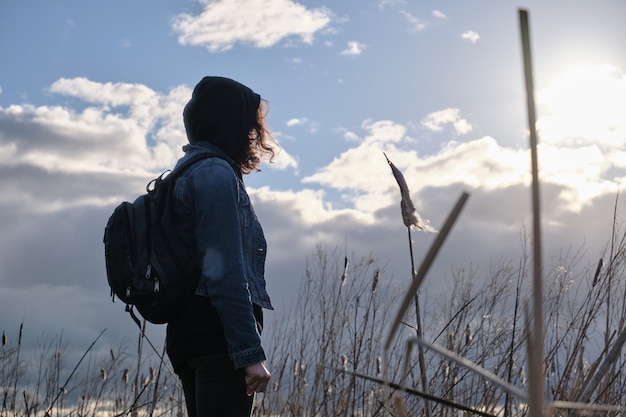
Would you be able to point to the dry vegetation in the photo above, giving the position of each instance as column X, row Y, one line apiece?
column 325, row 353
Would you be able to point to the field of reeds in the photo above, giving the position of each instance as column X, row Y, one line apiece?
column 327, row 358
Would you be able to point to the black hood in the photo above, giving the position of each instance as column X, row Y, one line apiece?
column 220, row 110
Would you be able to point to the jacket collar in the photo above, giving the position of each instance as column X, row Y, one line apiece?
column 209, row 147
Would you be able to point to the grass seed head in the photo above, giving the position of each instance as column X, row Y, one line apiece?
column 407, row 208
column 375, row 280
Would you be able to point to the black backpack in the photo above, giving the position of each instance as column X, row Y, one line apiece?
column 148, row 264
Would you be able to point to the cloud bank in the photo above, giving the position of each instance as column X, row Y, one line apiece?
column 260, row 23
column 66, row 166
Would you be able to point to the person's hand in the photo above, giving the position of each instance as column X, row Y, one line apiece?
column 257, row 377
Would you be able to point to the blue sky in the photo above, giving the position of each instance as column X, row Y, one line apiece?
column 91, row 96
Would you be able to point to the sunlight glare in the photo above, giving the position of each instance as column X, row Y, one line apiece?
column 584, row 105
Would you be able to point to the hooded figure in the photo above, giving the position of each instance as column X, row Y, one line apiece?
column 214, row 342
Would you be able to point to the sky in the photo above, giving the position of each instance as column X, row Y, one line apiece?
column 91, row 98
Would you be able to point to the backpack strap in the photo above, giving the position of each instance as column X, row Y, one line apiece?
column 175, row 172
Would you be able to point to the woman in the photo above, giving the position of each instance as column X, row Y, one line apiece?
column 214, row 343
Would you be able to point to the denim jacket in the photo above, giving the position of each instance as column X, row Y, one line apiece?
column 217, row 215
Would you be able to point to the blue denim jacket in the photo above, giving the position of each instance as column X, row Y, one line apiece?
column 217, row 215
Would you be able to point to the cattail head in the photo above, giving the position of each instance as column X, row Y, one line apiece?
column 596, row 276
column 344, row 363
column 379, row 366
column 451, row 339
column 375, row 279
column 145, row 381
column 4, row 339
column 328, row 387
column 103, row 374
column 468, row 334
column 152, row 374
column 399, row 406
column 125, row 376
column 407, row 208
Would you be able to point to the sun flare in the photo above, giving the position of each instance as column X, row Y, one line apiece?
column 584, row 105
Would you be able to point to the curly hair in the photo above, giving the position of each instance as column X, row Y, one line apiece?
column 231, row 116
column 259, row 145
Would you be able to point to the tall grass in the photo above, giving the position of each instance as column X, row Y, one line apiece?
column 334, row 334
column 325, row 350
column 45, row 384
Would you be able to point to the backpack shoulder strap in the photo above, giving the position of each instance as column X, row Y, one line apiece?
column 173, row 173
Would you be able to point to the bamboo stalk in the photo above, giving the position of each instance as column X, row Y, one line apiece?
column 418, row 330
column 601, row 372
column 412, row 391
column 535, row 354
column 466, row 363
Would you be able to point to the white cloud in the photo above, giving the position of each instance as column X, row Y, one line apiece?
column 367, row 184
column 310, row 206
column 473, row 163
column 350, row 135
column 311, row 127
column 296, row 121
column 135, row 108
column 471, row 36
column 362, row 170
column 260, row 23
column 129, row 132
column 439, row 15
column 581, row 173
column 417, row 24
column 354, row 49
column 437, row 120
column 283, row 160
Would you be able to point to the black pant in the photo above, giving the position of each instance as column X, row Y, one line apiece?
column 213, row 388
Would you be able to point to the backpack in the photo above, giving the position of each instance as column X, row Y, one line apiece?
column 148, row 265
